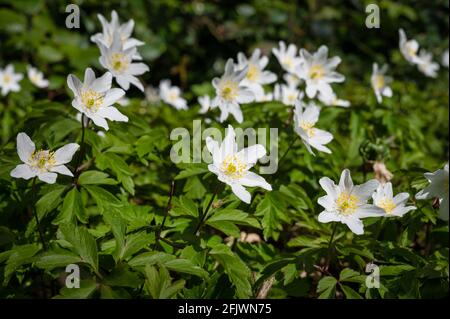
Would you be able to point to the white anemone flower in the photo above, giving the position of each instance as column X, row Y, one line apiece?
column 205, row 104
column 119, row 62
column 256, row 76
column 445, row 59
column 9, row 80
column 288, row 95
column 124, row 30
column 94, row 98
column 291, row 79
column 305, row 119
column 171, row 95
column 392, row 205
column 318, row 71
column 230, row 92
column 426, row 64
column 380, row 82
column 37, row 77
column 347, row 203
column 332, row 100
column 408, row 48
column 232, row 166
column 42, row 163
column 439, row 187
column 287, row 57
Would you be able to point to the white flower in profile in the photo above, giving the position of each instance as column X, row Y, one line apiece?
column 9, row 80
column 119, row 62
column 392, row 205
column 94, row 98
column 426, row 64
column 256, row 76
column 305, row 119
column 332, row 100
column 287, row 57
column 292, row 80
column 42, row 163
column 124, row 30
column 408, row 48
column 439, row 187
column 232, row 166
column 318, row 71
column 37, row 77
column 380, row 82
column 171, row 95
column 347, row 203
column 230, row 92
column 205, row 104
column 445, row 59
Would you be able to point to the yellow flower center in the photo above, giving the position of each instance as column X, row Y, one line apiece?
column 252, row 73
column 316, row 72
column 42, row 160
column 229, row 91
column 92, row 100
column 387, row 204
column 411, row 50
column 288, row 62
column 119, row 62
column 7, row 78
column 172, row 96
column 379, row 81
column 309, row 128
column 347, row 203
column 233, row 167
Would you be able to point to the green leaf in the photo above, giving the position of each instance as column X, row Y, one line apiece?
column 82, row 243
column 226, row 227
column 327, row 287
column 350, row 293
column 87, row 288
column 350, row 275
column 18, row 256
column 160, row 284
column 186, row 266
column 72, row 208
column 62, row 258
column 235, row 268
column 273, row 211
column 95, row 177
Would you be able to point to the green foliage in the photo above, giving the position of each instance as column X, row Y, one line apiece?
column 134, row 236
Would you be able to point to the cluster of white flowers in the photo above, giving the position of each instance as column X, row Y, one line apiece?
column 9, row 79
column 118, row 50
column 422, row 58
column 348, row 203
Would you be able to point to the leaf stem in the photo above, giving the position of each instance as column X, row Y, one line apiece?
column 38, row 225
column 202, row 219
column 166, row 211
column 82, row 147
column 330, row 242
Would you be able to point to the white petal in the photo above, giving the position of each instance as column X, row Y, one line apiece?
column 22, row 171
column 112, row 96
column 229, row 145
column 326, row 202
column 365, row 191
column 99, row 121
column 355, row 225
column 443, row 209
column 214, row 149
column 61, row 169
column 111, row 113
column 74, row 84
column 49, row 178
column 252, row 154
column 245, row 96
column 345, row 182
column 89, row 77
column 254, row 180
column 400, row 198
column 103, row 83
column 241, row 193
column 64, row 154
column 368, row 210
column 326, row 217
column 329, row 186
column 138, row 68
column 25, row 147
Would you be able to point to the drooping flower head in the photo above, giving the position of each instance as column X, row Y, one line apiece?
column 205, row 104
column 37, row 77
column 347, row 203
column 332, row 100
column 44, row 164
column 9, row 80
column 439, row 187
column 172, row 95
column 233, row 167
column 380, row 82
column 119, row 62
column 426, row 65
column 94, row 98
column 305, row 119
column 230, row 92
column 392, row 205
column 408, row 48
column 318, row 71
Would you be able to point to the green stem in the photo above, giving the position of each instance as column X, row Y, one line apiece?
column 38, row 225
column 202, row 219
column 330, row 245
column 166, row 212
column 82, row 147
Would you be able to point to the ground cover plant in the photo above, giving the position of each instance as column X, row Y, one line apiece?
column 208, row 149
